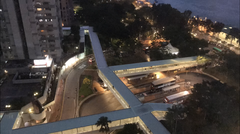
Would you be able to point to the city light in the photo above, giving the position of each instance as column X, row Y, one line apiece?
column 35, row 94
column 5, row 71
column 76, row 47
column 7, row 106
column 185, row 92
column 30, row 110
column 44, row 77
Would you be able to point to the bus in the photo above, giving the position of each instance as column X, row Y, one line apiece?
column 217, row 50
column 170, row 88
column 160, row 83
column 176, row 98
column 136, row 77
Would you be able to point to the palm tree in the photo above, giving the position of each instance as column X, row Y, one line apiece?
column 103, row 122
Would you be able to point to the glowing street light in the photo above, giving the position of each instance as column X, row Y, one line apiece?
column 185, row 92
column 7, row 106
column 30, row 110
column 35, row 94
column 5, row 71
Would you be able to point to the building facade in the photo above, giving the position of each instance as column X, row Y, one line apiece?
column 67, row 13
column 32, row 29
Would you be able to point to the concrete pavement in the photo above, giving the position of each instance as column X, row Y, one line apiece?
column 102, row 103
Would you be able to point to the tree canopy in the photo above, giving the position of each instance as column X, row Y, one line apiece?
column 212, row 108
column 131, row 129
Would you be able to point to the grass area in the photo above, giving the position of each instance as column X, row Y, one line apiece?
column 86, row 87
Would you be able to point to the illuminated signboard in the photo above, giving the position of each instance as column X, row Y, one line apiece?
column 43, row 62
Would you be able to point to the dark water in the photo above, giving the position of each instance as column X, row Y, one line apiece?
column 225, row 11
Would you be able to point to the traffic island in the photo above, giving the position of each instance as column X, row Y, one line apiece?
column 85, row 87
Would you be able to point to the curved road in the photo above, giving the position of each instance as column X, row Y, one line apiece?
column 195, row 77
column 68, row 109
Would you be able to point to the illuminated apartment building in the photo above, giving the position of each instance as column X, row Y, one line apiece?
column 30, row 29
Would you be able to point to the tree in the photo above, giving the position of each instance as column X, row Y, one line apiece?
column 187, row 14
column 103, row 122
column 212, row 108
column 217, row 27
column 233, row 34
column 139, row 27
column 208, row 24
column 172, row 117
column 131, row 129
column 159, row 53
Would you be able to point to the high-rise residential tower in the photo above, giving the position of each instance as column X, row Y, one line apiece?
column 67, row 14
column 30, row 29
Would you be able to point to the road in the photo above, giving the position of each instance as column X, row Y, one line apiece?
column 195, row 78
column 69, row 106
column 209, row 38
column 100, row 104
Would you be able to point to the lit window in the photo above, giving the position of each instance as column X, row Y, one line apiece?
column 9, row 47
column 40, row 20
column 45, row 20
column 39, row 9
column 42, row 30
column 0, row 10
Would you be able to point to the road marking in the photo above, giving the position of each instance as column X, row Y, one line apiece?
column 82, row 66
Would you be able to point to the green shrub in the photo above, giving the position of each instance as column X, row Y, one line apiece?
column 86, row 87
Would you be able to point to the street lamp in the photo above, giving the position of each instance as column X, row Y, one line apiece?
column 35, row 94
column 5, row 71
column 7, row 106
column 30, row 110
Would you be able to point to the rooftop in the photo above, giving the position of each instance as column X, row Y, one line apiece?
column 152, row 63
column 11, row 91
column 121, row 88
column 96, row 46
column 18, row 63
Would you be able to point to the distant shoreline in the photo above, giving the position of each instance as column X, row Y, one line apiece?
column 223, row 11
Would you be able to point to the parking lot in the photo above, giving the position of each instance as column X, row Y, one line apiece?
column 142, row 88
